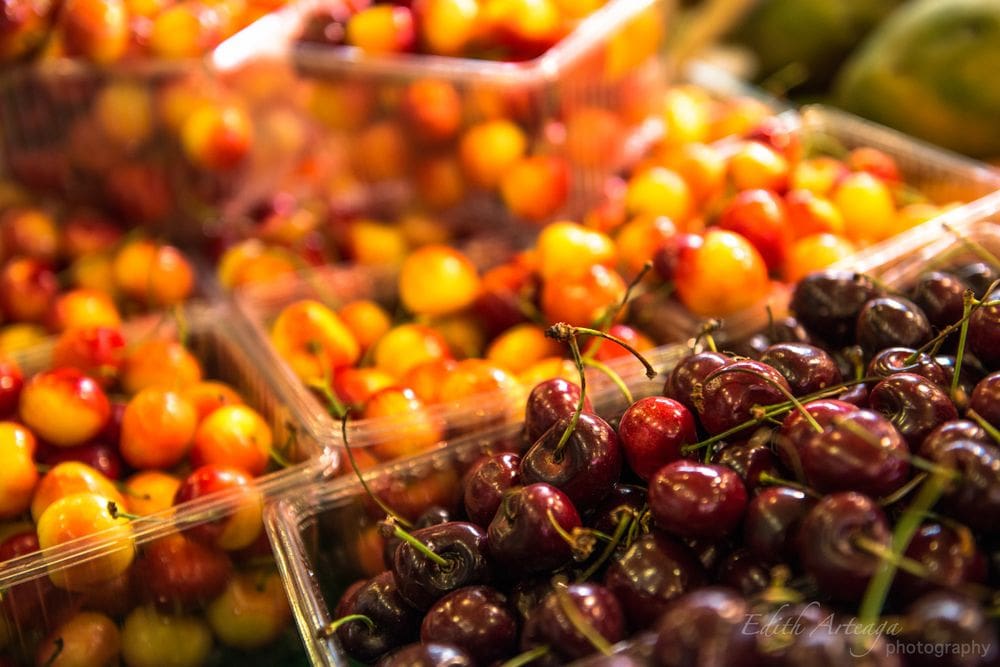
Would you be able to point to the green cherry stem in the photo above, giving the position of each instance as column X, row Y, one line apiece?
column 564, row 332
column 962, row 336
column 613, row 376
column 581, row 541
column 612, row 312
column 903, row 491
column 706, row 331
column 977, row 249
column 422, row 548
column 118, row 514
column 330, row 628
column 774, row 480
column 985, row 425
column 580, row 622
column 527, row 657
column 568, row 431
column 361, row 478
column 624, row 523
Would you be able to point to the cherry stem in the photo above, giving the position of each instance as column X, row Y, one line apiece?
column 422, row 548
column 615, row 378
column 60, row 644
column 183, row 330
column 118, row 514
column 361, row 478
column 580, row 622
column 917, row 462
column 908, row 523
column 784, row 392
column 774, row 480
column 277, row 456
column 325, row 388
column 970, row 304
column 623, row 525
column 581, row 542
column 611, row 313
column 903, row 491
column 986, row 426
column 778, row 591
column 330, row 628
column 564, row 332
column 568, row 431
column 962, row 336
column 527, row 657
column 706, row 332
column 976, row 248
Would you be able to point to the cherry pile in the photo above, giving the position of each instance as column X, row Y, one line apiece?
column 828, row 494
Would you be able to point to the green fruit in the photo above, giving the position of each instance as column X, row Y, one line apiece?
column 931, row 71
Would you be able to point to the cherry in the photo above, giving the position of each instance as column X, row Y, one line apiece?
column 796, row 429
column 947, row 619
column 177, row 573
column 730, row 395
column 432, row 516
column 777, row 630
column 860, row 451
column 486, row 482
column 741, row 571
column 428, row 655
column 957, row 429
column 984, row 333
column 985, row 399
column 654, row 570
column 968, row 376
column 749, row 460
column 835, row 542
column 549, row 402
column 834, row 647
column 914, row 405
column 475, row 619
column 941, row 296
column 623, row 497
column 394, row 622
column 101, row 457
column 422, row 580
column 974, row 498
column 771, row 525
column 595, row 604
column 522, row 535
column 949, row 560
column 827, row 303
column 697, row 500
column 705, row 627
column 891, row 321
column 652, row 432
column 583, row 467
column 807, row 368
column 978, row 276
column 893, row 360
column 689, row 373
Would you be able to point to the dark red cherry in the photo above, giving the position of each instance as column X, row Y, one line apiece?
column 432, row 516
column 771, row 525
column 971, row 373
column 743, row 572
column 806, row 367
column 608, row 513
column 942, row 620
column 856, row 395
column 476, row 619
column 527, row 594
column 749, row 459
column 523, row 538
column 421, row 581
column 894, row 360
column 100, row 456
column 788, row 330
column 395, row 621
column 796, row 429
column 691, row 499
column 914, row 405
column 973, row 498
column 891, row 321
column 667, row 256
column 827, row 303
column 654, row 570
column 428, row 655
column 595, row 603
column 112, row 431
column 549, row 402
column 950, row 559
column 652, row 432
column 978, row 276
column 834, row 643
column 486, row 482
column 985, row 399
column 775, row 630
column 833, row 539
column 689, row 373
column 705, row 627
column 957, row 429
column 586, row 466
column 984, row 333
column 940, row 295
column 861, row 451
column 730, row 395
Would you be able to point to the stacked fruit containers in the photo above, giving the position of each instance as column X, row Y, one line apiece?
column 234, row 283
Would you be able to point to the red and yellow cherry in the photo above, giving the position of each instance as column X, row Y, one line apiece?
column 252, row 612
column 406, row 346
column 536, row 187
column 147, row 635
column 437, row 280
column 178, row 573
column 639, row 238
column 98, row 352
column 28, row 288
column 759, row 216
column 11, row 383
column 608, row 350
column 584, row 299
column 87, row 639
column 313, row 340
column 432, row 108
column 427, row 379
column 519, row 347
column 95, row 30
column 447, row 27
column 234, row 435
column 658, row 191
column 207, row 396
column 754, row 165
column 85, row 515
column 83, row 308
column 867, row 206
column 101, row 456
column 412, row 429
column 567, row 249
column 153, row 273
column 68, row 478
column 382, row 29
column 809, row 213
column 812, row 253
column 86, row 232
column 241, row 523
column 366, row 320
column 489, row 149
column 158, row 427
column 17, row 484
column 150, row 491
column 159, row 362
column 64, row 407
column 217, row 137
column 355, row 386
column 721, row 276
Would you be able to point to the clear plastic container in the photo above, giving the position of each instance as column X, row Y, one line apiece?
column 943, row 177
column 117, row 571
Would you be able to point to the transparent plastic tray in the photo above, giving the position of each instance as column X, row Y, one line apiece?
column 28, row 582
column 334, row 286
column 942, row 176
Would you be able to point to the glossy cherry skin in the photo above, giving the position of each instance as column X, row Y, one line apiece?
column 743, row 572
column 950, row 560
column 608, row 513
column 776, row 630
column 589, row 463
column 860, row 451
column 984, row 333
column 894, row 360
column 421, row 581
column 432, row 516
column 11, row 383
column 978, row 276
column 946, row 618
column 973, row 499
column 486, row 482
column 940, row 295
column 654, row 570
column 806, row 367
column 795, row 430
column 985, row 399
column 827, row 303
column 818, row 645
column 476, row 619
column 771, row 525
column 730, row 394
column 957, row 429
column 971, row 373
column 177, row 573
column 914, row 405
column 689, row 373
column 549, row 402
column 596, row 604
column 828, row 546
column 705, row 627
column 891, row 321
column 691, row 499
column 521, row 536
column 395, row 621
column 749, row 460
column 652, row 432
column 100, row 456
column 428, row 655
